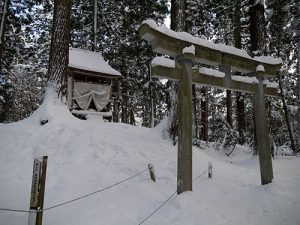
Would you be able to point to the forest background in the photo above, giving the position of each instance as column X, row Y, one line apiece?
column 219, row 116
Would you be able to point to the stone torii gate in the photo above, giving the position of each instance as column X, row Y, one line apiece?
column 185, row 49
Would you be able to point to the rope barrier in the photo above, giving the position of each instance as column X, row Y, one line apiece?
column 75, row 199
column 15, row 210
column 144, row 220
column 157, row 209
column 95, row 192
column 103, row 189
column 200, row 175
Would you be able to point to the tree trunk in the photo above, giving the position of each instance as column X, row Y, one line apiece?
column 59, row 50
column 178, row 23
column 95, row 25
column 240, row 105
column 195, row 102
column 204, row 115
column 178, row 15
column 3, row 17
column 257, row 40
column 286, row 113
column 299, row 94
column 228, row 108
column 240, row 114
column 257, row 27
column 228, row 92
column 125, row 114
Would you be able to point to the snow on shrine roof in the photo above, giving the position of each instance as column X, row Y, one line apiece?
column 90, row 61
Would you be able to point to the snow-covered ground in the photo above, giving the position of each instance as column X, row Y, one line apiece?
column 85, row 156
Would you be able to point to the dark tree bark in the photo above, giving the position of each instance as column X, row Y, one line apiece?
column 3, row 18
column 95, row 27
column 286, row 113
column 178, row 23
column 299, row 91
column 240, row 114
column 228, row 92
column 125, row 103
column 204, row 115
column 59, row 50
column 257, row 27
column 257, row 40
column 240, row 104
column 178, row 15
column 195, row 102
column 229, row 108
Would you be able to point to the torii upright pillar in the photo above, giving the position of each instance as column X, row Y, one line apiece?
column 262, row 134
column 184, row 163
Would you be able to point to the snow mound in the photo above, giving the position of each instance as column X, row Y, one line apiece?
column 85, row 156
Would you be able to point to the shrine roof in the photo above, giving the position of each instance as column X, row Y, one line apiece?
column 90, row 61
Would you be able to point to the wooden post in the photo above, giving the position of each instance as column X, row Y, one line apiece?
column 209, row 169
column 262, row 134
column 37, row 191
column 184, row 164
column 151, row 172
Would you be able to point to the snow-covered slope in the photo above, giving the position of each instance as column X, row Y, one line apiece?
column 85, row 156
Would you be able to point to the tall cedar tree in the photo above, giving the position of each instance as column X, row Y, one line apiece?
column 3, row 18
column 240, row 105
column 280, row 44
column 178, row 23
column 59, row 50
column 3, row 88
column 257, row 37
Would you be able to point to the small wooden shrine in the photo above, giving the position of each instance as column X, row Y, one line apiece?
column 89, row 83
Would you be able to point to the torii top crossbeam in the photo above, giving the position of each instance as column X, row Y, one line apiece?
column 168, row 42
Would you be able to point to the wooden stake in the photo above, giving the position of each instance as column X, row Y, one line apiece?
column 151, row 172
column 184, row 166
column 209, row 169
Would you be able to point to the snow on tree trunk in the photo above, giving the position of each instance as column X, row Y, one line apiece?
column 59, row 50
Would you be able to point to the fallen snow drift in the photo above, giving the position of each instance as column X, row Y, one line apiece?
column 85, row 156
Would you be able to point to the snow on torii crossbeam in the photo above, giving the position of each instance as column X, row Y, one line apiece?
column 186, row 48
column 168, row 42
column 165, row 68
